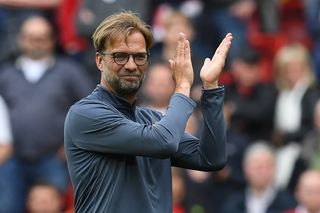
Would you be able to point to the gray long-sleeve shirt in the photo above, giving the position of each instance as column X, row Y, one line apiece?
column 120, row 156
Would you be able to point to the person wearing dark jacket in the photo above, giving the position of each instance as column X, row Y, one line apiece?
column 120, row 155
column 250, row 101
column 38, row 87
column 260, row 194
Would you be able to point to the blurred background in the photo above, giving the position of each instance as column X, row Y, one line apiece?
column 272, row 105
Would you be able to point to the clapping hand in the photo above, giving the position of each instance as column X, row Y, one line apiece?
column 182, row 70
column 212, row 68
column 181, row 66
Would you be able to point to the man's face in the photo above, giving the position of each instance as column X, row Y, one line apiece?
column 159, row 85
column 308, row 191
column 123, row 80
column 245, row 74
column 36, row 39
column 259, row 170
column 44, row 199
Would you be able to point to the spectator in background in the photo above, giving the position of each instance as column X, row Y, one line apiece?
column 308, row 193
column 44, row 198
column 12, row 14
column 30, row 3
column 5, row 134
column 260, row 194
column 199, row 190
column 203, row 189
column 194, row 123
column 91, row 12
column 294, row 109
column 310, row 147
column 38, row 87
column 312, row 13
column 297, row 94
column 249, row 101
column 174, row 23
column 162, row 8
column 158, row 87
column 231, row 178
column 5, row 151
column 178, row 190
column 225, row 15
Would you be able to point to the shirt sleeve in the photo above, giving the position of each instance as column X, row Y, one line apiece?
column 104, row 129
column 5, row 130
column 210, row 151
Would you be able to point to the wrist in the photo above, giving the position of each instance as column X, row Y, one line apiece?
column 184, row 89
column 210, row 85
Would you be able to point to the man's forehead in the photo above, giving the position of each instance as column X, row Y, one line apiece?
column 122, row 40
column 115, row 40
column 36, row 25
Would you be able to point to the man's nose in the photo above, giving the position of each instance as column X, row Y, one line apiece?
column 130, row 65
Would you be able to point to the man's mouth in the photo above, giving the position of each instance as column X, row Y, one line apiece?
column 131, row 77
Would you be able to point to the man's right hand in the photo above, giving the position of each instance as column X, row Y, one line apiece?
column 181, row 67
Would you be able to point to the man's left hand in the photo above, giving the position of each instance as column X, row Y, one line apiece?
column 212, row 68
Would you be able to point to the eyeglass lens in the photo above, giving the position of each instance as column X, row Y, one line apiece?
column 123, row 57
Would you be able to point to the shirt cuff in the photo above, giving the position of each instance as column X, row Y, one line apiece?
column 189, row 100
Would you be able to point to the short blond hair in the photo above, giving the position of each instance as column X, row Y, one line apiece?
column 124, row 23
column 292, row 52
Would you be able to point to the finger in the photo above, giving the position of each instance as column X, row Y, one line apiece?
column 180, row 46
column 225, row 43
column 224, row 47
column 206, row 61
column 183, row 45
column 171, row 62
column 219, row 49
column 228, row 39
column 187, row 52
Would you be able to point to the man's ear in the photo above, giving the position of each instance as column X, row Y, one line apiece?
column 99, row 61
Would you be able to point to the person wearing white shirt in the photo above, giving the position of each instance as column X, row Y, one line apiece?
column 5, row 133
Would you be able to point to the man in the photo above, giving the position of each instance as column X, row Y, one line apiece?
column 250, row 102
column 260, row 195
column 90, row 13
column 308, row 193
column 120, row 155
column 39, row 88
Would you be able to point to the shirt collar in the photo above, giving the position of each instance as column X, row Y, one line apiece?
column 48, row 61
column 115, row 100
column 259, row 203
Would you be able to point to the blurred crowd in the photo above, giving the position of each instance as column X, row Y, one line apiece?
column 272, row 98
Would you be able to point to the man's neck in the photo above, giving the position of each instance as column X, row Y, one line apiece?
column 129, row 98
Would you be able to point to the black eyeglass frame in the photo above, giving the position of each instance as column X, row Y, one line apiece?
column 134, row 55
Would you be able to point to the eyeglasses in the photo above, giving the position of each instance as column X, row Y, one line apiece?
column 121, row 58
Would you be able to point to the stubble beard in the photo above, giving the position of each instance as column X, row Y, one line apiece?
column 124, row 88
